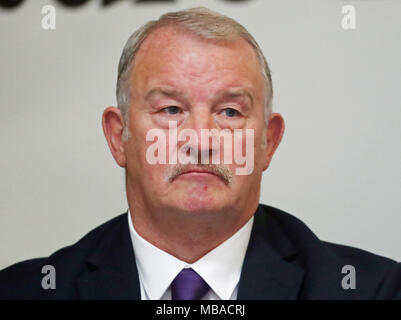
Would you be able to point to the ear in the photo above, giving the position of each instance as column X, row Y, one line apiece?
column 274, row 132
column 113, row 126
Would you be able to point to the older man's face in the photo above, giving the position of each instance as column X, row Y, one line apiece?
column 198, row 85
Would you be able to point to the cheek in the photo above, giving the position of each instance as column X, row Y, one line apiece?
column 136, row 152
column 244, row 151
column 155, row 176
column 260, row 142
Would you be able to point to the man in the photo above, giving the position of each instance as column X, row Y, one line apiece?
column 195, row 228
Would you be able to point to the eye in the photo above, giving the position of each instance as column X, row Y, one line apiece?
column 230, row 112
column 171, row 110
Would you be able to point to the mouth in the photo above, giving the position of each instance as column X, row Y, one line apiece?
column 198, row 173
column 201, row 172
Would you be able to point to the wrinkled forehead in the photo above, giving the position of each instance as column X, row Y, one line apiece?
column 169, row 54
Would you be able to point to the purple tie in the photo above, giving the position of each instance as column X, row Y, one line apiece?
column 188, row 285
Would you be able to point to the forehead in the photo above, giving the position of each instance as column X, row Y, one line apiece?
column 173, row 56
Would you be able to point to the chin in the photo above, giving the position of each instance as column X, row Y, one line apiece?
column 199, row 197
column 205, row 205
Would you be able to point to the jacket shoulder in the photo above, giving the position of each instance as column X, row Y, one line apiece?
column 22, row 280
column 377, row 277
column 298, row 230
column 384, row 274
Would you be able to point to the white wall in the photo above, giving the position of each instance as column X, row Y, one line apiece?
column 338, row 167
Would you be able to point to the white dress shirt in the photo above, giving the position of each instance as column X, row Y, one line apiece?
column 220, row 268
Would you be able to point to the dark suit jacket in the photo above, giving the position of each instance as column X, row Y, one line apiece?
column 284, row 260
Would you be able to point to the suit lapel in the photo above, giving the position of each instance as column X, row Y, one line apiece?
column 111, row 270
column 266, row 273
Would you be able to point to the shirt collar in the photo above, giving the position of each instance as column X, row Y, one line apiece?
column 220, row 268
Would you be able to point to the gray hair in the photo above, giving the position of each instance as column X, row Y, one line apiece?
column 201, row 22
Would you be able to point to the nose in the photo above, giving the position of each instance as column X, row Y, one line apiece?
column 201, row 125
column 201, row 118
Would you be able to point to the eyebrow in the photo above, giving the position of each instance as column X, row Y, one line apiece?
column 236, row 93
column 169, row 92
column 174, row 93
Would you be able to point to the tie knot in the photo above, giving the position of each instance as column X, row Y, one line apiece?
column 188, row 285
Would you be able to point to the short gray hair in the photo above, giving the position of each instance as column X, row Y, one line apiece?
column 201, row 22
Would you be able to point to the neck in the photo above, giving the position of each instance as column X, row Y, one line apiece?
column 187, row 236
